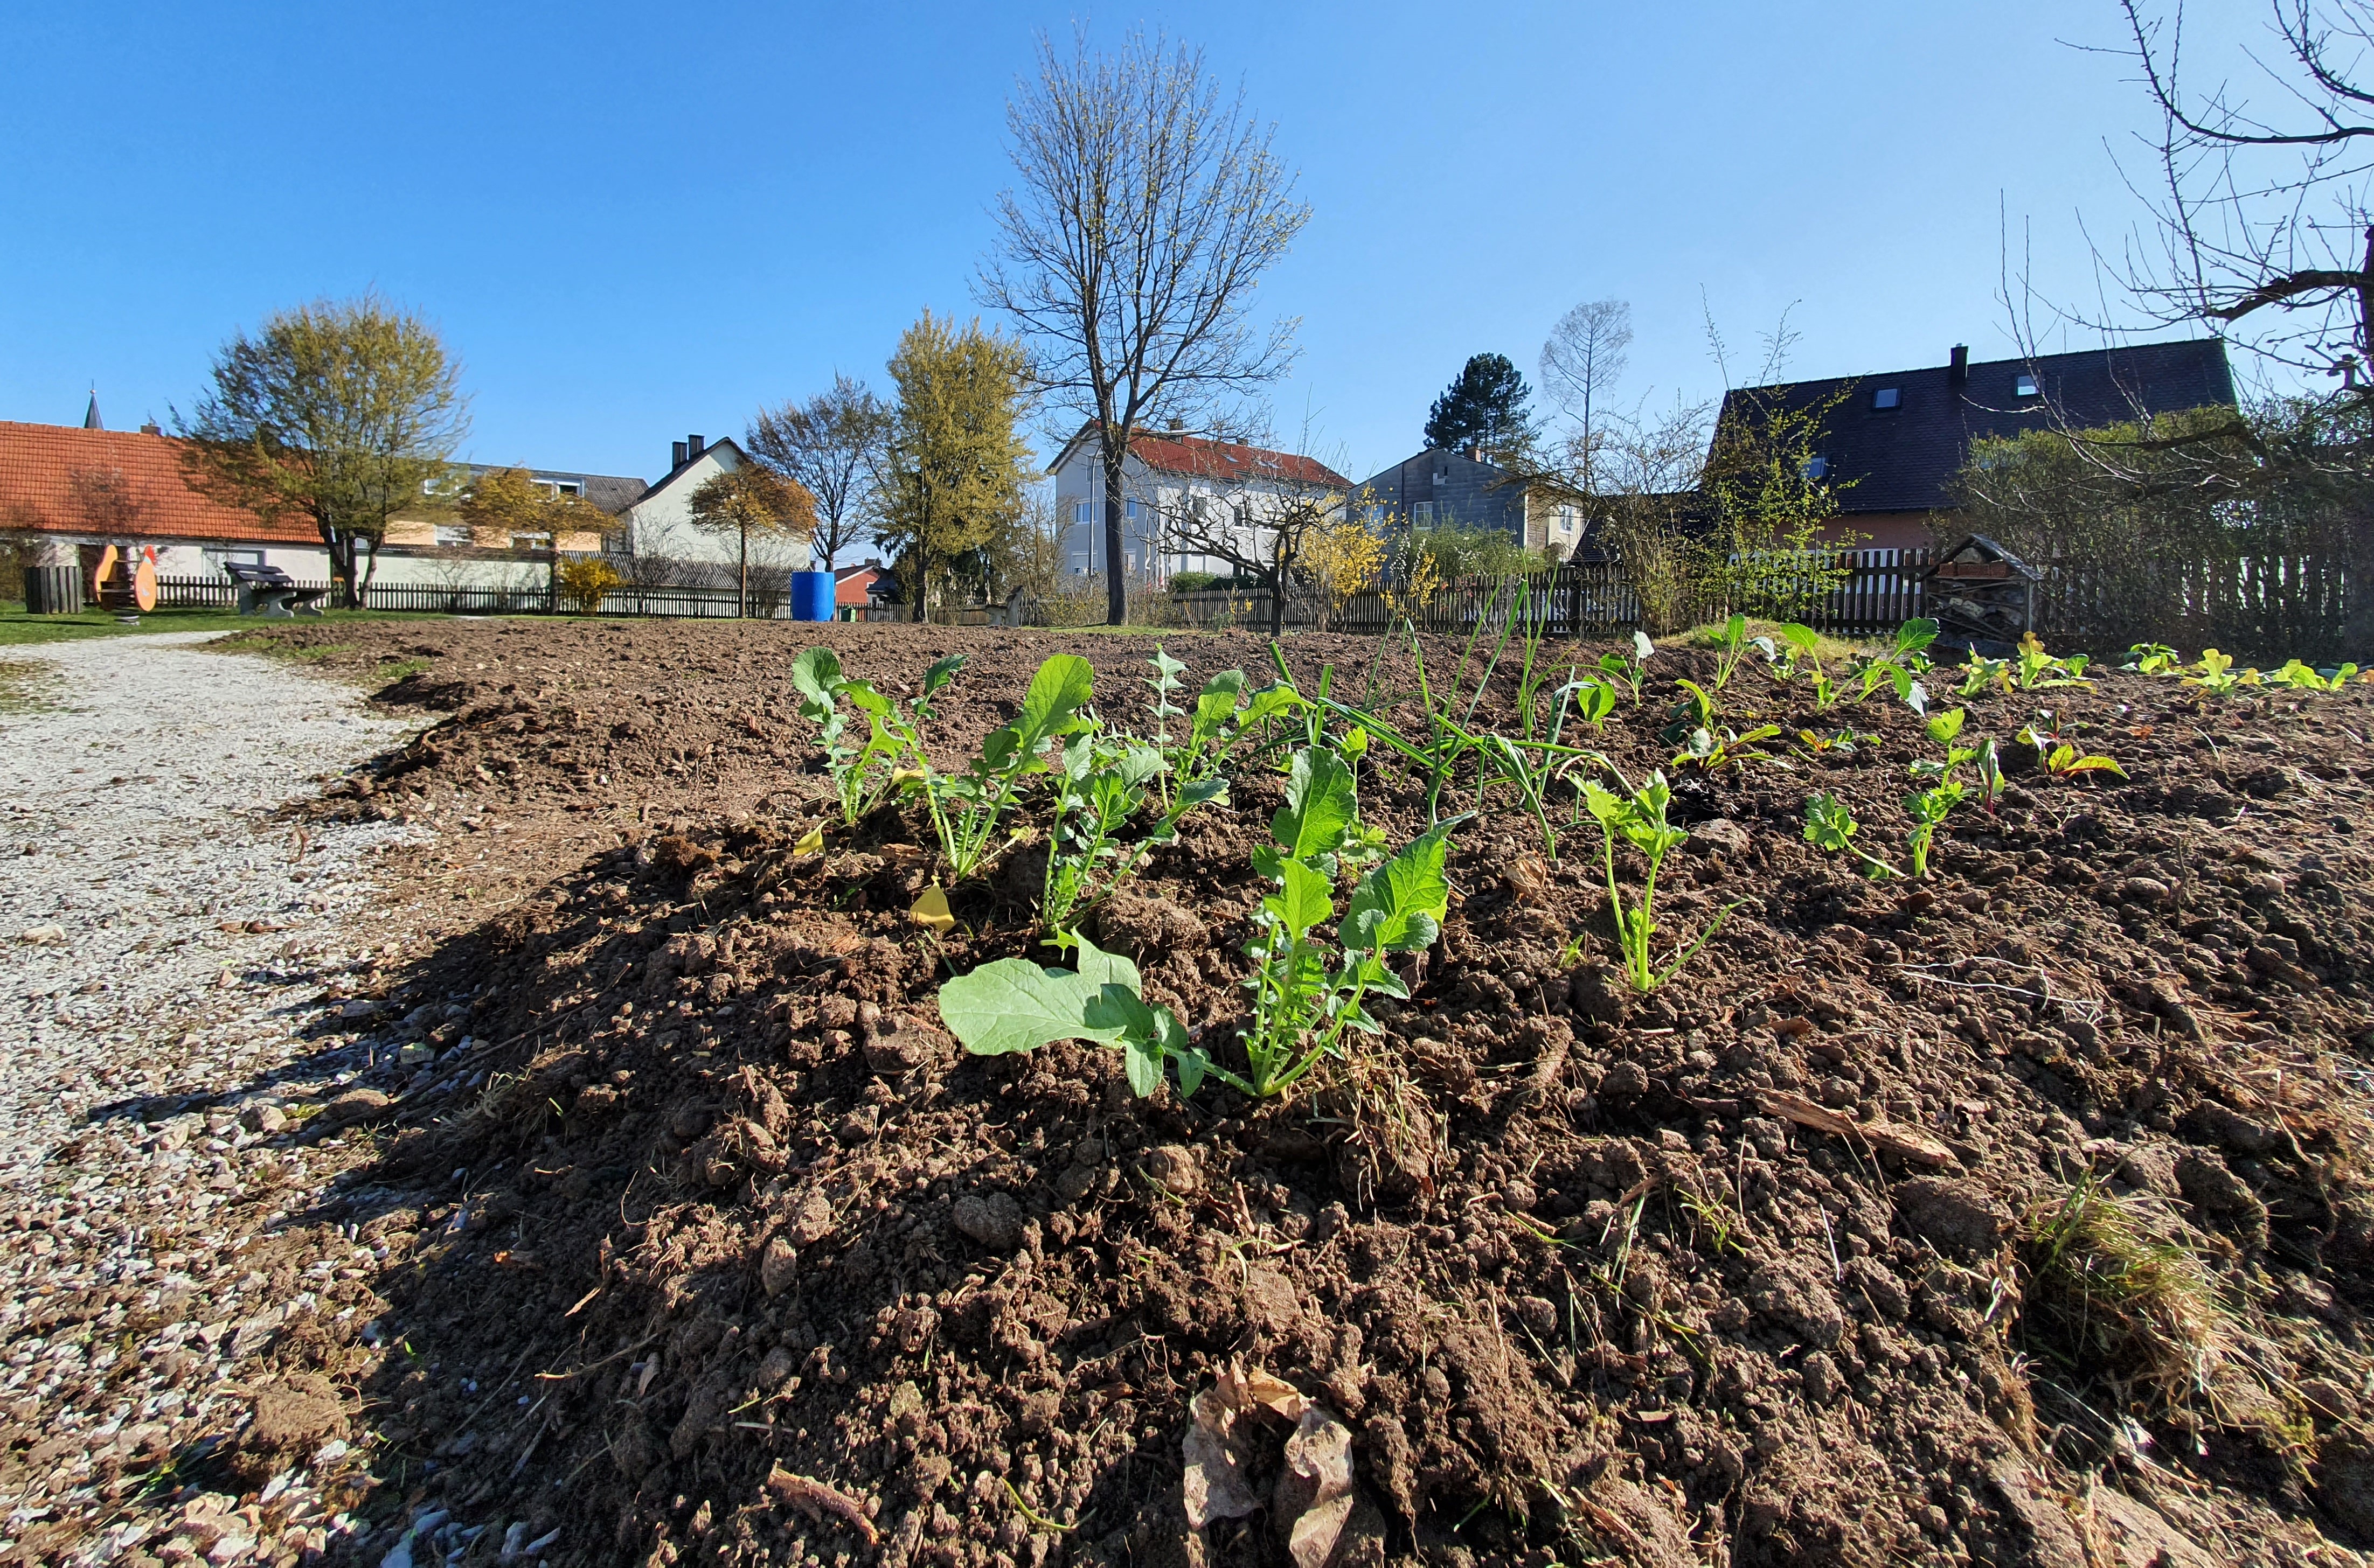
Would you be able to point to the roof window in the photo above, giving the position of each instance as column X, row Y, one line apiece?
column 1887, row 397
column 1816, row 466
column 2026, row 386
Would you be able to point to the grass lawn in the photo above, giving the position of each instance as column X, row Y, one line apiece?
column 15, row 627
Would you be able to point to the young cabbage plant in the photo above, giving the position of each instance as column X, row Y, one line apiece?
column 1637, row 817
column 1946, row 729
column 967, row 808
column 1734, row 644
column 1792, row 649
column 1903, row 663
column 2063, row 762
column 1102, row 783
column 863, row 773
column 1929, row 810
column 1716, row 749
column 1015, row 1005
column 1304, row 996
column 2153, row 659
column 1630, row 671
column 1843, row 741
column 2300, row 677
column 1829, row 826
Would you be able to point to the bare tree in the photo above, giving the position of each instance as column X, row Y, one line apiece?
column 1256, row 516
column 2262, row 215
column 833, row 446
column 1147, row 210
column 1584, row 357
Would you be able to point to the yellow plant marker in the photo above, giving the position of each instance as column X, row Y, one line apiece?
column 813, row 844
column 932, row 910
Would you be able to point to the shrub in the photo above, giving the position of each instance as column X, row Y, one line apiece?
column 1196, row 582
column 583, row 581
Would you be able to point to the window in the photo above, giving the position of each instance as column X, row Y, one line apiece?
column 1816, row 466
column 2026, row 386
column 1422, row 514
column 1887, row 397
column 1084, row 511
column 1080, row 563
column 561, row 486
column 453, row 534
column 1129, row 510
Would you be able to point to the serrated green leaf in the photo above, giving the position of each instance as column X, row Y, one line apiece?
column 1304, row 899
column 1319, row 804
column 1398, row 907
column 1943, row 727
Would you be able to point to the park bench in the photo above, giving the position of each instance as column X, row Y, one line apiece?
column 271, row 592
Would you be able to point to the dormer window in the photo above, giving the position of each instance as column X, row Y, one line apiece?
column 1885, row 399
column 1816, row 467
column 2026, row 386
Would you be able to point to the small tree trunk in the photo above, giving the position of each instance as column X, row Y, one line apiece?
column 1116, row 557
column 370, row 570
column 742, row 581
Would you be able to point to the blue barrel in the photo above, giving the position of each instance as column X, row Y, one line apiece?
column 812, row 596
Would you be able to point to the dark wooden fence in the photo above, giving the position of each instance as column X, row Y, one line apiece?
column 679, row 603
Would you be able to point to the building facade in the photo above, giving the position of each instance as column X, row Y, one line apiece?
column 1447, row 489
column 1182, row 491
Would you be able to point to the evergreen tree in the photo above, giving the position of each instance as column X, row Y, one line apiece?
column 1483, row 409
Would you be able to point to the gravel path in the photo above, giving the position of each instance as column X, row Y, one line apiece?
column 167, row 945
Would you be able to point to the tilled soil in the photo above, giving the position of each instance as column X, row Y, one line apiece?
column 707, row 1243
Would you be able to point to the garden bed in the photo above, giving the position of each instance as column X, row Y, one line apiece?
column 1969, row 1218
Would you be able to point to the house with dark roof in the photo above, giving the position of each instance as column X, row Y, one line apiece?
column 1892, row 442
column 1447, row 489
column 1175, row 483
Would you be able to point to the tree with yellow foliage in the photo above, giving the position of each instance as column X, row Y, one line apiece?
column 751, row 499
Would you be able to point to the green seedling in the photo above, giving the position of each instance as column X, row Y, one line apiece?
column 1304, row 998
column 2216, row 674
column 1594, row 700
column 1734, row 643
column 2153, row 659
column 1929, row 810
column 1843, row 741
column 1716, row 749
column 967, row 808
column 1981, row 676
column 2062, row 762
column 1990, row 778
column 863, row 773
column 2300, row 677
column 1902, row 665
column 1829, row 826
column 1946, row 729
column 1695, row 710
column 1630, row 671
column 1015, row 1005
column 1637, row 817
column 2038, row 669
column 1101, row 784
column 1792, row 649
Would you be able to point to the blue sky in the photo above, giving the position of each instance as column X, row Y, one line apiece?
column 636, row 221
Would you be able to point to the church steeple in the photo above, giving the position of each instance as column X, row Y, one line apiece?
column 90, row 419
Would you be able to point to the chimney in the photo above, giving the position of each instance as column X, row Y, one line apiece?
column 150, row 430
column 676, row 454
column 695, row 446
column 1958, row 369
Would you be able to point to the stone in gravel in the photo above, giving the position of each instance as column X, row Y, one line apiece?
column 266, row 1119
column 1956, row 1216
column 994, row 1220
column 42, row 936
column 1717, row 836
column 2143, row 890
column 1822, row 1382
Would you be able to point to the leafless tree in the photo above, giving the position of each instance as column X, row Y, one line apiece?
column 1584, row 357
column 1254, row 516
column 1146, row 208
column 833, row 444
column 2262, row 223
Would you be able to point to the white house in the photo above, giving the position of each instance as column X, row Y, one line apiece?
column 660, row 520
column 1176, row 484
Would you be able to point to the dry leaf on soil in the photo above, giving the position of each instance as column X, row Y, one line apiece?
column 1214, row 1485
column 932, row 910
column 1315, row 1491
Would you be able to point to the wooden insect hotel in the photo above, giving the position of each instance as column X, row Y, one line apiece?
column 1980, row 592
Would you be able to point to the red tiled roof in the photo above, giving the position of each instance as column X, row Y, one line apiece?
column 1227, row 462
column 38, row 463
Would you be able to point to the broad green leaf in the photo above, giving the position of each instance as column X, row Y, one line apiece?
column 1056, row 692
column 1104, row 968
column 1915, row 635
column 1166, row 668
column 1304, row 899
column 1015, row 1005
column 942, row 671
column 816, row 675
column 1319, row 804
column 1202, row 792
column 1216, row 703
column 1943, row 727
column 1735, row 628
column 1191, row 1064
column 1269, row 702
column 1801, row 637
column 1144, row 1059
column 1398, row 907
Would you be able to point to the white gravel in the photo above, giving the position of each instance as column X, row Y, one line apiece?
column 164, row 945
